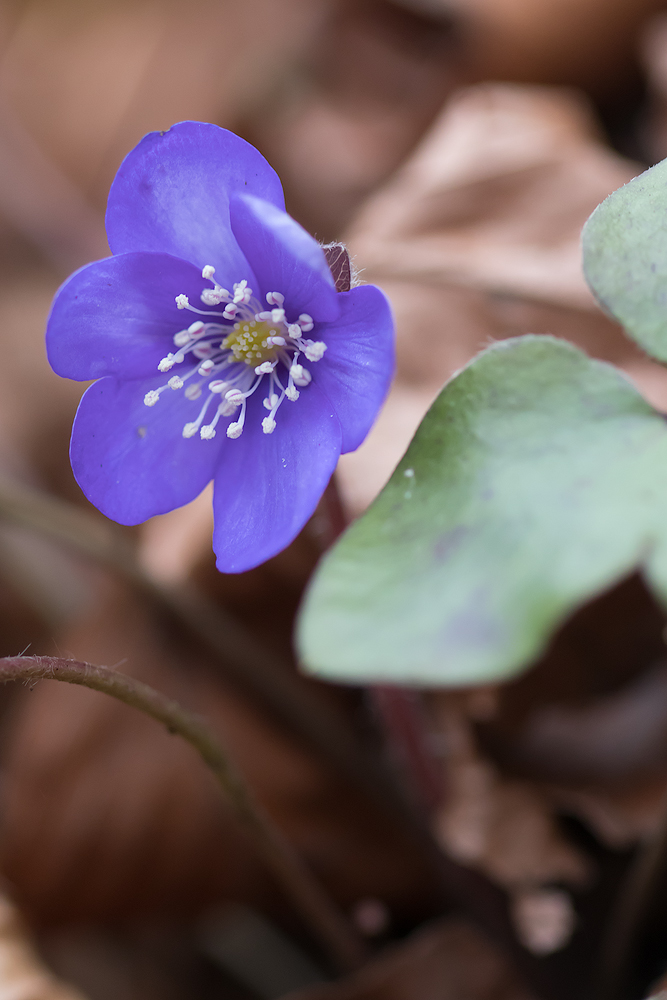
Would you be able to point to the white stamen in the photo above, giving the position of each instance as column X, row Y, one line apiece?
column 191, row 428
column 213, row 296
column 300, row 375
column 278, row 344
column 314, row 349
column 242, row 293
column 204, row 350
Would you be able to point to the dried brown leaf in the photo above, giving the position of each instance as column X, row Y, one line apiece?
column 476, row 238
column 23, row 976
column 448, row 960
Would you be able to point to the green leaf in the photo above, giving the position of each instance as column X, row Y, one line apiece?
column 625, row 258
column 536, row 480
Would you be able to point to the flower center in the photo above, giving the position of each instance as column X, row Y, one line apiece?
column 249, row 342
column 258, row 346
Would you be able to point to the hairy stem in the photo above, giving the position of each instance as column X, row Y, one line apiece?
column 324, row 919
column 252, row 667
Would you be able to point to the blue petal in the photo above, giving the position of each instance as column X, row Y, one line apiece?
column 132, row 460
column 118, row 316
column 171, row 194
column 358, row 366
column 268, row 485
column 285, row 258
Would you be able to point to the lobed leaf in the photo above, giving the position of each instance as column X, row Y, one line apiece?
column 537, row 479
column 625, row 258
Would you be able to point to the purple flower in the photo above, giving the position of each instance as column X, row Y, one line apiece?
column 221, row 347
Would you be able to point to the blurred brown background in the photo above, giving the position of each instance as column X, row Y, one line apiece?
column 457, row 146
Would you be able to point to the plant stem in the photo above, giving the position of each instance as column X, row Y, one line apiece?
column 332, row 929
column 252, row 667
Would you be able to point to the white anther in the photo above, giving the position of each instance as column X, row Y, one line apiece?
column 190, row 430
column 306, row 322
column 242, row 293
column 206, row 367
column 234, row 396
column 230, row 311
column 300, row 375
column 207, row 433
column 217, row 385
column 151, row 398
column 314, row 349
column 268, row 425
column 275, row 341
column 262, row 317
column 167, row 363
column 292, row 393
column 265, row 368
column 226, row 408
column 277, row 315
column 202, row 351
column 175, row 382
column 182, row 301
column 275, row 298
column 181, row 338
column 212, row 296
column 294, row 331
column 207, row 272
column 234, row 430
column 196, row 329
column 192, row 392
column 271, row 401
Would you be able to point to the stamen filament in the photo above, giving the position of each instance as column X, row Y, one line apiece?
column 249, row 344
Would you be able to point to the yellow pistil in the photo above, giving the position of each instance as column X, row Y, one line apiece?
column 248, row 342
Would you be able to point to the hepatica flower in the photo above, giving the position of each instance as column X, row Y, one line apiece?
column 221, row 348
